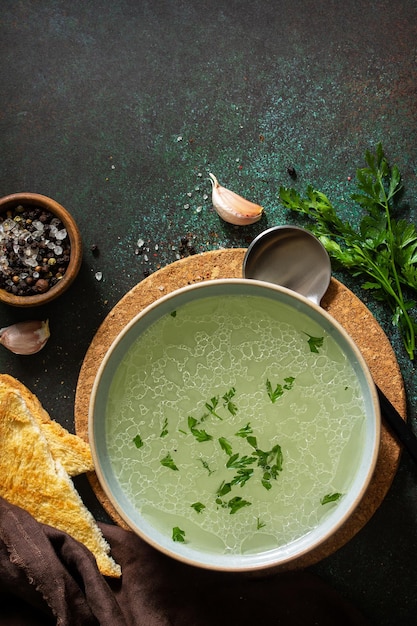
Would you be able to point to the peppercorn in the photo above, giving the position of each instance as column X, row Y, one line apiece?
column 41, row 285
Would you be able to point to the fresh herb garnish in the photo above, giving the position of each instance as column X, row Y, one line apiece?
column 225, row 445
column 331, row 497
column 198, row 507
column 173, row 314
column 271, row 462
column 234, row 504
column 227, row 399
column 200, row 435
column 212, row 407
column 382, row 250
column 237, row 503
column 276, row 393
column 242, row 476
column 259, row 524
column 178, row 534
column 138, row 441
column 224, row 489
column 206, row 466
column 164, row 430
column 168, row 461
column 245, row 431
column 314, row 342
column 238, row 462
column 252, row 441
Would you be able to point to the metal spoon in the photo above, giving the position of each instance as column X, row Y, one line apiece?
column 292, row 257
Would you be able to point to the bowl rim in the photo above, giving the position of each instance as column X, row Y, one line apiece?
column 252, row 563
column 74, row 235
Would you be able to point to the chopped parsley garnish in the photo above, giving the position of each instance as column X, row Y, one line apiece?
column 223, row 489
column 271, row 462
column 164, row 430
column 212, row 405
column 314, row 342
column 173, row 314
column 331, row 497
column 198, row 507
column 242, row 476
column 276, row 393
column 225, row 445
column 178, row 534
column 138, row 441
column 200, row 435
column 245, row 431
column 168, row 461
column 227, row 399
column 206, row 466
column 242, row 465
column 234, row 504
column 237, row 462
column 237, row 503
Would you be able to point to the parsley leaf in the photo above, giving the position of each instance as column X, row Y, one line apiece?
column 271, row 462
column 276, row 393
column 212, row 407
column 178, row 534
column 227, row 399
column 200, row 435
column 237, row 462
column 164, row 430
column 168, row 461
column 381, row 250
column 236, row 503
column 330, row 497
column 198, row 507
column 245, row 431
column 138, row 441
column 206, row 466
column 314, row 342
column 225, row 445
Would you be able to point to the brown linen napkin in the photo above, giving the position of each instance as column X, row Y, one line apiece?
column 48, row 578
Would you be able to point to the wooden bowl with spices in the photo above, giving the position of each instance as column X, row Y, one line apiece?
column 40, row 249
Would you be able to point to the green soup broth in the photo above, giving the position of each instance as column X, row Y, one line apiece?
column 233, row 419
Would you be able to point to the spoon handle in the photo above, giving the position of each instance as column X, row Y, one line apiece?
column 399, row 427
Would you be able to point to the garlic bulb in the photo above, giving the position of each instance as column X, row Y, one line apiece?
column 25, row 337
column 233, row 208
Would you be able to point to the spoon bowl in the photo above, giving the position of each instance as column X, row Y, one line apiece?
column 292, row 257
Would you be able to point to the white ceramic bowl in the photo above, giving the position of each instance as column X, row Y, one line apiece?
column 125, row 432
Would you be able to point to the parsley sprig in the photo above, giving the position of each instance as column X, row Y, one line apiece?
column 383, row 250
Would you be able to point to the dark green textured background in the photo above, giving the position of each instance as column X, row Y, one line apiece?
column 118, row 110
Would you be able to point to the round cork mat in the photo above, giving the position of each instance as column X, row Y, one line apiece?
column 341, row 303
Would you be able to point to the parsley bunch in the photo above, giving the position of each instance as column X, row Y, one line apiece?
column 382, row 250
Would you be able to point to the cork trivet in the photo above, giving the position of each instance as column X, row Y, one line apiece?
column 341, row 303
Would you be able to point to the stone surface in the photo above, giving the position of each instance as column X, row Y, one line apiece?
column 119, row 110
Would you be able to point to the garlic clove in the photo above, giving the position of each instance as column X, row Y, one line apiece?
column 25, row 337
column 233, row 208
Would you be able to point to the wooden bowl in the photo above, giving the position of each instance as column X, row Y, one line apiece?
column 11, row 202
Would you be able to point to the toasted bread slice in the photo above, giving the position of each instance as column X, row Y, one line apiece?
column 72, row 451
column 36, row 481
